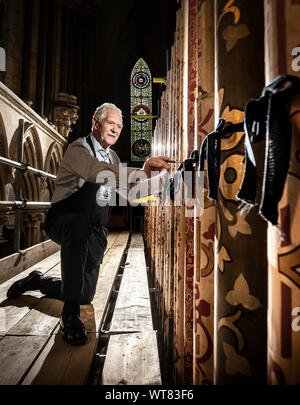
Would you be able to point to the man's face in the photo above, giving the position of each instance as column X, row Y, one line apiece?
column 108, row 131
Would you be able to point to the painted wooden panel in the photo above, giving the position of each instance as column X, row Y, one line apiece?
column 281, row 38
column 241, row 274
column 205, row 223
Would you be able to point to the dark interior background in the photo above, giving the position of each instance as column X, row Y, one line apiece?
column 99, row 42
column 87, row 49
column 116, row 33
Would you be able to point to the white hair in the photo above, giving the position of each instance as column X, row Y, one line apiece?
column 100, row 112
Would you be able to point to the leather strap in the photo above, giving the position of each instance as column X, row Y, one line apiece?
column 210, row 151
column 269, row 116
column 89, row 141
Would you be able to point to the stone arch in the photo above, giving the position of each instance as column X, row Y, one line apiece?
column 54, row 156
column 32, row 155
column 31, row 182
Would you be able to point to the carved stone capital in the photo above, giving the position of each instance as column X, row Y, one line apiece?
column 65, row 113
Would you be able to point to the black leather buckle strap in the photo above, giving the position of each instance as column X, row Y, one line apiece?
column 189, row 165
column 210, row 151
column 266, row 117
column 172, row 187
column 255, row 128
column 269, row 116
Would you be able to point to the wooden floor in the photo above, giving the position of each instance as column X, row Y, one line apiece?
column 132, row 353
column 32, row 351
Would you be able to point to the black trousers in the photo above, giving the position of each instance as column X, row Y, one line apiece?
column 82, row 250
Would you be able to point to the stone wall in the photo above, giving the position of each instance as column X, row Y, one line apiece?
column 43, row 148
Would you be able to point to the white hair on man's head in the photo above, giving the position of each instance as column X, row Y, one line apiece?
column 100, row 112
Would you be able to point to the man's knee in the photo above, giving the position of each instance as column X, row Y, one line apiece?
column 78, row 223
column 77, row 227
column 68, row 227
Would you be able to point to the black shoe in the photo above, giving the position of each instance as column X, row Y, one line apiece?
column 73, row 329
column 29, row 283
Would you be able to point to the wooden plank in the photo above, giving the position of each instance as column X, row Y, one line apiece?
column 43, row 266
column 111, row 238
column 16, row 263
column 133, row 310
column 16, row 356
column 108, row 272
column 49, row 263
column 137, row 241
column 41, row 320
column 44, row 317
column 54, row 272
column 59, row 362
column 121, row 240
column 132, row 359
column 10, row 314
column 13, row 310
column 62, row 364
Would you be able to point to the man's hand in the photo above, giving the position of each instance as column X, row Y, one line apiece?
column 156, row 164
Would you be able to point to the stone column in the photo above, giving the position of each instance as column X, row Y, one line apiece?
column 4, row 213
column 6, row 244
column 32, row 223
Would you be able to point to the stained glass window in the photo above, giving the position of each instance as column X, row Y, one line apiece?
column 141, row 105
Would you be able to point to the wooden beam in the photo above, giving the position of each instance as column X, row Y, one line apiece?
column 16, row 263
column 17, row 353
column 62, row 364
column 13, row 310
column 40, row 320
column 133, row 310
column 131, row 359
column 108, row 272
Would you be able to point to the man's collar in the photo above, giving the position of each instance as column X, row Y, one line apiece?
column 97, row 145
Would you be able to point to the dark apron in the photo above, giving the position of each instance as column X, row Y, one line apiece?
column 82, row 202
